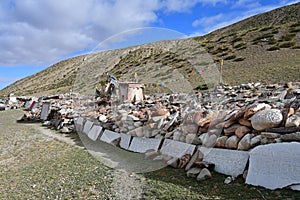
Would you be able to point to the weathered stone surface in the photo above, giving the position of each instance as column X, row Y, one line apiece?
column 141, row 145
column 266, row 119
column 291, row 137
column 209, row 140
column 192, row 139
column 221, row 141
column 125, row 140
column 244, row 143
column 176, row 149
column 193, row 172
column 45, row 110
column 241, row 131
column 109, row 136
column 274, row 165
column 197, row 156
column 87, row 126
column 269, row 135
column 293, row 120
column 232, row 142
column 79, row 124
column 231, row 130
column 229, row 162
column 255, row 141
column 94, row 132
column 204, row 175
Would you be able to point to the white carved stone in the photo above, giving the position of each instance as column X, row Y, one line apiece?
column 176, row 149
column 125, row 140
column 45, row 110
column 94, row 132
column 87, row 126
column 141, row 145
column 274, row 165
column 109, row 136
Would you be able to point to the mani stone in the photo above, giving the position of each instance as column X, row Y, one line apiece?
column 176, row 149
column 125, row 140
column 266, row 119
column 229, row 162
column 141, row 145
column 79, row 124
column 109, row 136
column 274, row 165
column 94, row 132
column 87, row 127
column 45, row 110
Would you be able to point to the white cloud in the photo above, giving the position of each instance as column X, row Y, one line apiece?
column 186, row 5
column 208, row 21
column 34, row 32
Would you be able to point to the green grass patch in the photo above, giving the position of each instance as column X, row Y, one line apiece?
column 288, row 37
column 230, row 57
column 287, row 44
column 273, row 48
column 238, row 59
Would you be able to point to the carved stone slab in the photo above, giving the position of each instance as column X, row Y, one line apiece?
column 109, row 136
column 141, row 145
column 229, row 162
column 45, row 110
column 125, row 140
column 87, row 126
column 176, row 149
column 274, row 165
column 94, row 132
column 79, row 124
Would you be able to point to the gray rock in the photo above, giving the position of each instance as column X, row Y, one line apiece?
column 255, row 141
column 244, row 143
column 192, row 139
column 204, row 175
column 193, row 172
column 291, row 137
column 266, row 119
column 232, row 142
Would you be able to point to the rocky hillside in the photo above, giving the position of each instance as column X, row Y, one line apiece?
column 263, row 48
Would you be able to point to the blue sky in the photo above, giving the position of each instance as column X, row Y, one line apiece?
column 37, row 33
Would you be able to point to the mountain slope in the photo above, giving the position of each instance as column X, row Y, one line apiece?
column 264, row 48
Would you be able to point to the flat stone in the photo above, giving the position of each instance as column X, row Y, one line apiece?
column 176, row 149
column 79, row 124
column 195, row 157
column 45, row 111
column 109, row 136
column 266, row 119
column 94, row 132
column 193, row 172
column 204, row 175
column 275, row 165
column 229, row 162
column 141, row 145
column 87, row 126
column 269, row 135
column 125, row 141
column 291, row 137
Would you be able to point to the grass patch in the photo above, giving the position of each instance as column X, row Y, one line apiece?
column 230, row 57
column 288, row 37
column 273, row 48
column 238, row 59
column 287, row 44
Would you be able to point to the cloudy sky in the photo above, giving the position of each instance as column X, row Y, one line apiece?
column 37, row 33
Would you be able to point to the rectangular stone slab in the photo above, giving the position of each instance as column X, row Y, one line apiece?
column 125, row 140
column 45, row 110
column 141, row 145
column 79, row 124
column 229, row 162
column 109, row 136
column 87, row 126
column 176, row 149
column 274, row 165
column 94, row 132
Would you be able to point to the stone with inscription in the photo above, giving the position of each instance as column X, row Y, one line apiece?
column 94, row 132
column 109, row 136
column 141, row 145
column 125, row 140
column 87, row 126
column 274, row 165
column 176, row 149
column 229, row 162
column 45, row 110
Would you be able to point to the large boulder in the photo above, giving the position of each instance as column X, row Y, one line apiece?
column 266, row 119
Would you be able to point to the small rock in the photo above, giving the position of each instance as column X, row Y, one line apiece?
column 231, row 130
column 255, row 141
column 139, row 132
column 204, row 175
column 193, row 172
column 266, row 119
column 137, row 124
column 293, row 120
column 177, row 135
column 229, row 180
column 173, row 162
column 221, row 141
column 232, row 142
column 244, row 143
column 241, row 131
column 291, row 137
column 209, row 140
column 269, row 135
column 192, row 139
column 103, row 118
column 65, row 130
